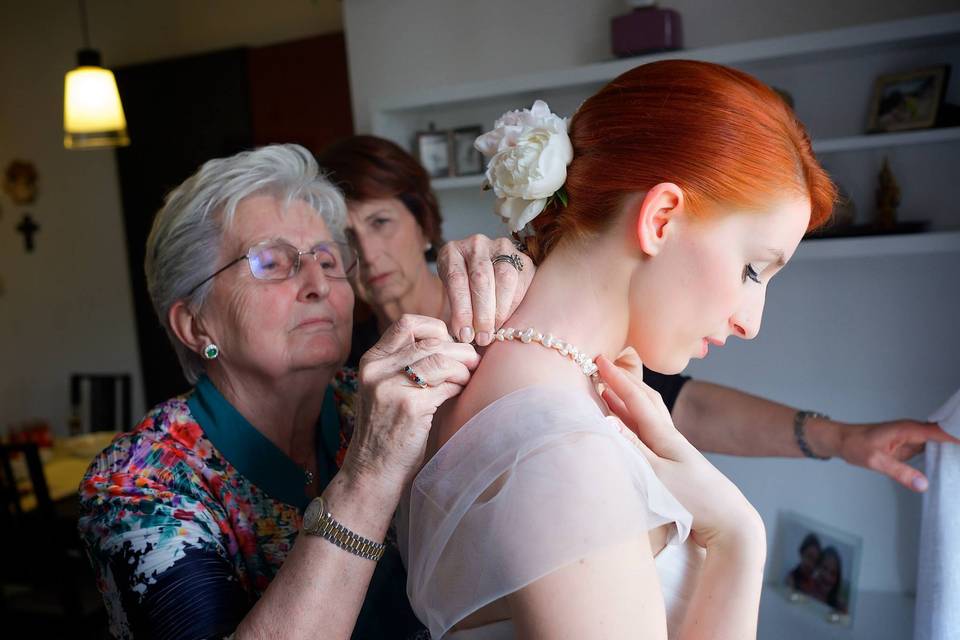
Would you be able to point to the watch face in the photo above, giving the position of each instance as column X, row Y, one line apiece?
column 312, row 514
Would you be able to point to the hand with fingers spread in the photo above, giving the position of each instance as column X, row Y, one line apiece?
column 404, row 378
column 485, row 281
column 886, row 447
column 721, row 514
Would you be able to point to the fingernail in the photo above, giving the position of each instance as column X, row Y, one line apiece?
column 483, row 339
column 920, row 483
column 466, row 334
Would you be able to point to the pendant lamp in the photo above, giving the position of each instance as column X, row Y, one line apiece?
column 92, row 114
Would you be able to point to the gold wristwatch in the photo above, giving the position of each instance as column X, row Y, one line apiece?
column 317, row 521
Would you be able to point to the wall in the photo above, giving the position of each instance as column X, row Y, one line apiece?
column 67, row 307
column 447, row 42
column 866, row 339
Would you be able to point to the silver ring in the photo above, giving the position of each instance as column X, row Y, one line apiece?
column 512, row 259
column 414, row 378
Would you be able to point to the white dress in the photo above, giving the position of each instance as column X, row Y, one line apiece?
column 536, row 480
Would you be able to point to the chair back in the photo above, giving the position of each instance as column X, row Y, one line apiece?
column 106, row 396
column 17, row 523
column 11, row 494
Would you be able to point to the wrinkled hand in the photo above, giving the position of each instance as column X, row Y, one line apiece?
column 394, row 414
column 482, row 295
column 886, row 446
column 721, row 514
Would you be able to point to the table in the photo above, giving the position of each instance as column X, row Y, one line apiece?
column 65, row 464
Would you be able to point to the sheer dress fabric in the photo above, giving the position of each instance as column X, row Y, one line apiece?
column 538, row 479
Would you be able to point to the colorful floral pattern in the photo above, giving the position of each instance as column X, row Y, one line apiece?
column 161, row 509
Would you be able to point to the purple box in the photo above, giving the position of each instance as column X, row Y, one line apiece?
column 646, row 30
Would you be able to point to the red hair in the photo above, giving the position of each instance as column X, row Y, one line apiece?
column 719, row 134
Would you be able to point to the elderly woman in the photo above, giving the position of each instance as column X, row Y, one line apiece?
column 239, row 508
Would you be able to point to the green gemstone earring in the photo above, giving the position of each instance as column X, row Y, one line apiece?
column 211, row 351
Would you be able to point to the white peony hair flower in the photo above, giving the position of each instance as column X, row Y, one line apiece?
column 528, row 152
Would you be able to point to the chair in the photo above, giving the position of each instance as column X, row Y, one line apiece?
column 100, row 399
column 44, row 576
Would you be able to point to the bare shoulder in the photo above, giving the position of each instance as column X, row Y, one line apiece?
column 485, row 387
column 504, row 369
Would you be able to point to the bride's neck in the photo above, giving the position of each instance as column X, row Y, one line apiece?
column 581, row 297
column 578, row 296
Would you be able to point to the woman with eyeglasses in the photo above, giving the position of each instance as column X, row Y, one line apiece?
column 239, row 509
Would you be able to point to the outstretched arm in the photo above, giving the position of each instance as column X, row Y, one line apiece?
column 720, row 419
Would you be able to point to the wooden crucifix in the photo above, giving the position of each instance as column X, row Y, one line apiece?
column 28, row 228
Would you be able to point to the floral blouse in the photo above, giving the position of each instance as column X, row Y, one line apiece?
column 187, row 518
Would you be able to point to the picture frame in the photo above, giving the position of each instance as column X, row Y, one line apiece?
column 817, row 567
column 909, row 100
column 433, row 151
column 467, row 161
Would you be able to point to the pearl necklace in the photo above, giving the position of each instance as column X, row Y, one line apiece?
column 531, row 335
column 587, row 366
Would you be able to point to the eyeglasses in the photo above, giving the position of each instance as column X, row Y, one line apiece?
column 277, row 261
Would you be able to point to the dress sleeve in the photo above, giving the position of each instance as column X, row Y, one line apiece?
column 158, row 552
column 518, row 493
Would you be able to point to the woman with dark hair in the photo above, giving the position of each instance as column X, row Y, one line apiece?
column 828, row 580
column 801, row 576
column 394, row 223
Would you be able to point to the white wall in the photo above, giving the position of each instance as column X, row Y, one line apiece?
column 67, row 306
column 865, row 339
column 399, row 46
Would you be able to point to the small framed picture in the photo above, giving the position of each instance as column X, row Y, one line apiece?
column 817, row 567
column 433, row 151
column 911, row 100
column 467, row 161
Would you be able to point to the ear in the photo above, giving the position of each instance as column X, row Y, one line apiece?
column 656, row 214
column 187, row 327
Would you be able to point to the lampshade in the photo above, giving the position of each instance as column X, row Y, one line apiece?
column 92, row 113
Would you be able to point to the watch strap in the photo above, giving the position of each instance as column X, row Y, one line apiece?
column 326, row 526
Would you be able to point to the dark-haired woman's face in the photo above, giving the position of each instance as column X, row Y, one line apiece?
column 827, row 574
column 809, row 558
column 391, row 247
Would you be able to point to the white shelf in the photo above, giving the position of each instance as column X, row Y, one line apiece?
column 875, row 246
column 897, row 33
column 880, row 140
column 831, row 145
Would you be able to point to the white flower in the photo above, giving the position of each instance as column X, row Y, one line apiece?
column 529, row 151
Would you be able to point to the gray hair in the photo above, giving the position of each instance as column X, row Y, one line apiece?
column 184, row 242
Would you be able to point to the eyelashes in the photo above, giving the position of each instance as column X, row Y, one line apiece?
column 751, row 273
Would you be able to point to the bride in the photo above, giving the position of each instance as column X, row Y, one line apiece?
column 682, row 189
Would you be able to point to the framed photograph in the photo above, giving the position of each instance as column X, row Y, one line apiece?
column 433, row 151
column 817, row 566
column 467, row 161
column 911, row 100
